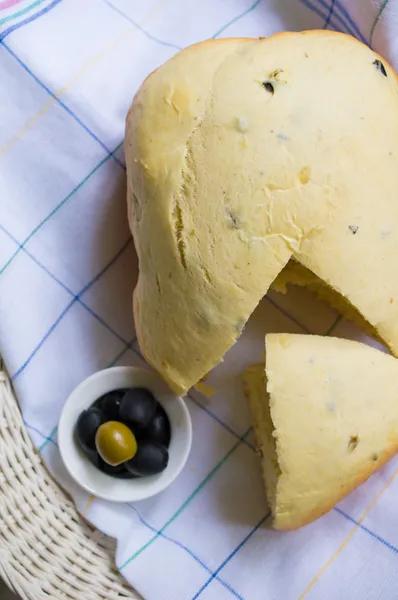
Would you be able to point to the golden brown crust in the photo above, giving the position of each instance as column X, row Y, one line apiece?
column 332, row 415
column 171, row 153
column 361, row 478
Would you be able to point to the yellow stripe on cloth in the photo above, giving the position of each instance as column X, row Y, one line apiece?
column 88, row 505
column 126, row 34
column 348, row 538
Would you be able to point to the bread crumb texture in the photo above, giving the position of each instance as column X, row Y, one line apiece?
column 243, row 154
column 325, row 417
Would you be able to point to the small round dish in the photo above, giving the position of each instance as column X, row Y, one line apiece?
column 86, row 474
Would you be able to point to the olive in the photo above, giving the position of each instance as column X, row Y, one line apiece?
column 120, row 471
column 110, row 404
column 151, row 458
column 158, row 429
column 94, row 458
column 87, row 426
column 138, row 407
column 115, row 443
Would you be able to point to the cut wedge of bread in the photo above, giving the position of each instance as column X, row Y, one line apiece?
column 325, row 415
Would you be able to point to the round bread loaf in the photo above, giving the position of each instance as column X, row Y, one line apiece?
column 243, row 154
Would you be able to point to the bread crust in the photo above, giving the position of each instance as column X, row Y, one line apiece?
column 159, row 147
column 332, row 416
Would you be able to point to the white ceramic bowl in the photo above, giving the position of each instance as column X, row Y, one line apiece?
column 89, row 477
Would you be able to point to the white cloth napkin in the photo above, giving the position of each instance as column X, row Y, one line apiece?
column 68, row 73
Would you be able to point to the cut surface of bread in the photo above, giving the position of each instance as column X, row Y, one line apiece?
column 325, row 416
column 242, row 154
column 295, row 274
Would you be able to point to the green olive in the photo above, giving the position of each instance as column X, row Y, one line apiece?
column 115, row 443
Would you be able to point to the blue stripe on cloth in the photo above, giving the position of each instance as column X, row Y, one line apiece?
column 206, row 410
column 49, row 438
column 56, row 209
column 66, row 309
column 315, row 9
column 356, row 32
column 301, row 325
column 230, row 556
column 35, row 260
column 329, row 17
column 61, row 103
column 37, row 15
column 138, row 26
column 118, row 355
column 45, row 437
column 377, row 19
column 67, row 289
column 193, row 495
column 288, row 316
column 371, row 533
column 42, row 341
column 336, row 18
column 327, row 20
column 128, row 345
column 213, row 416
column 99, row 275
column 333, row 325
column 237, row 18
column 187, row 550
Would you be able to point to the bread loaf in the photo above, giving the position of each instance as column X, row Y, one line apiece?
column 325, row 415
column 243, row 154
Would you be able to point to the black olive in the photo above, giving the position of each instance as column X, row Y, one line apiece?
column 138, row 407
column 110, row 404
column 87, row 425
column 151, row 458
column 92, row 456
column 158, row 429
column 380, row 67
column 120, row 472
column 268, row 86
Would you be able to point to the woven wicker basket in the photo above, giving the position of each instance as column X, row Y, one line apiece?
column 46, row 549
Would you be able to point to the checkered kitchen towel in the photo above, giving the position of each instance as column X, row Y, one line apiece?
column 68, row 72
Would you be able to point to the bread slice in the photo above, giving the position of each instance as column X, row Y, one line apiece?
column 242, row 154
column 325, row 414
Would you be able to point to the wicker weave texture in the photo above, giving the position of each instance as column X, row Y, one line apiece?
column 46, row 549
